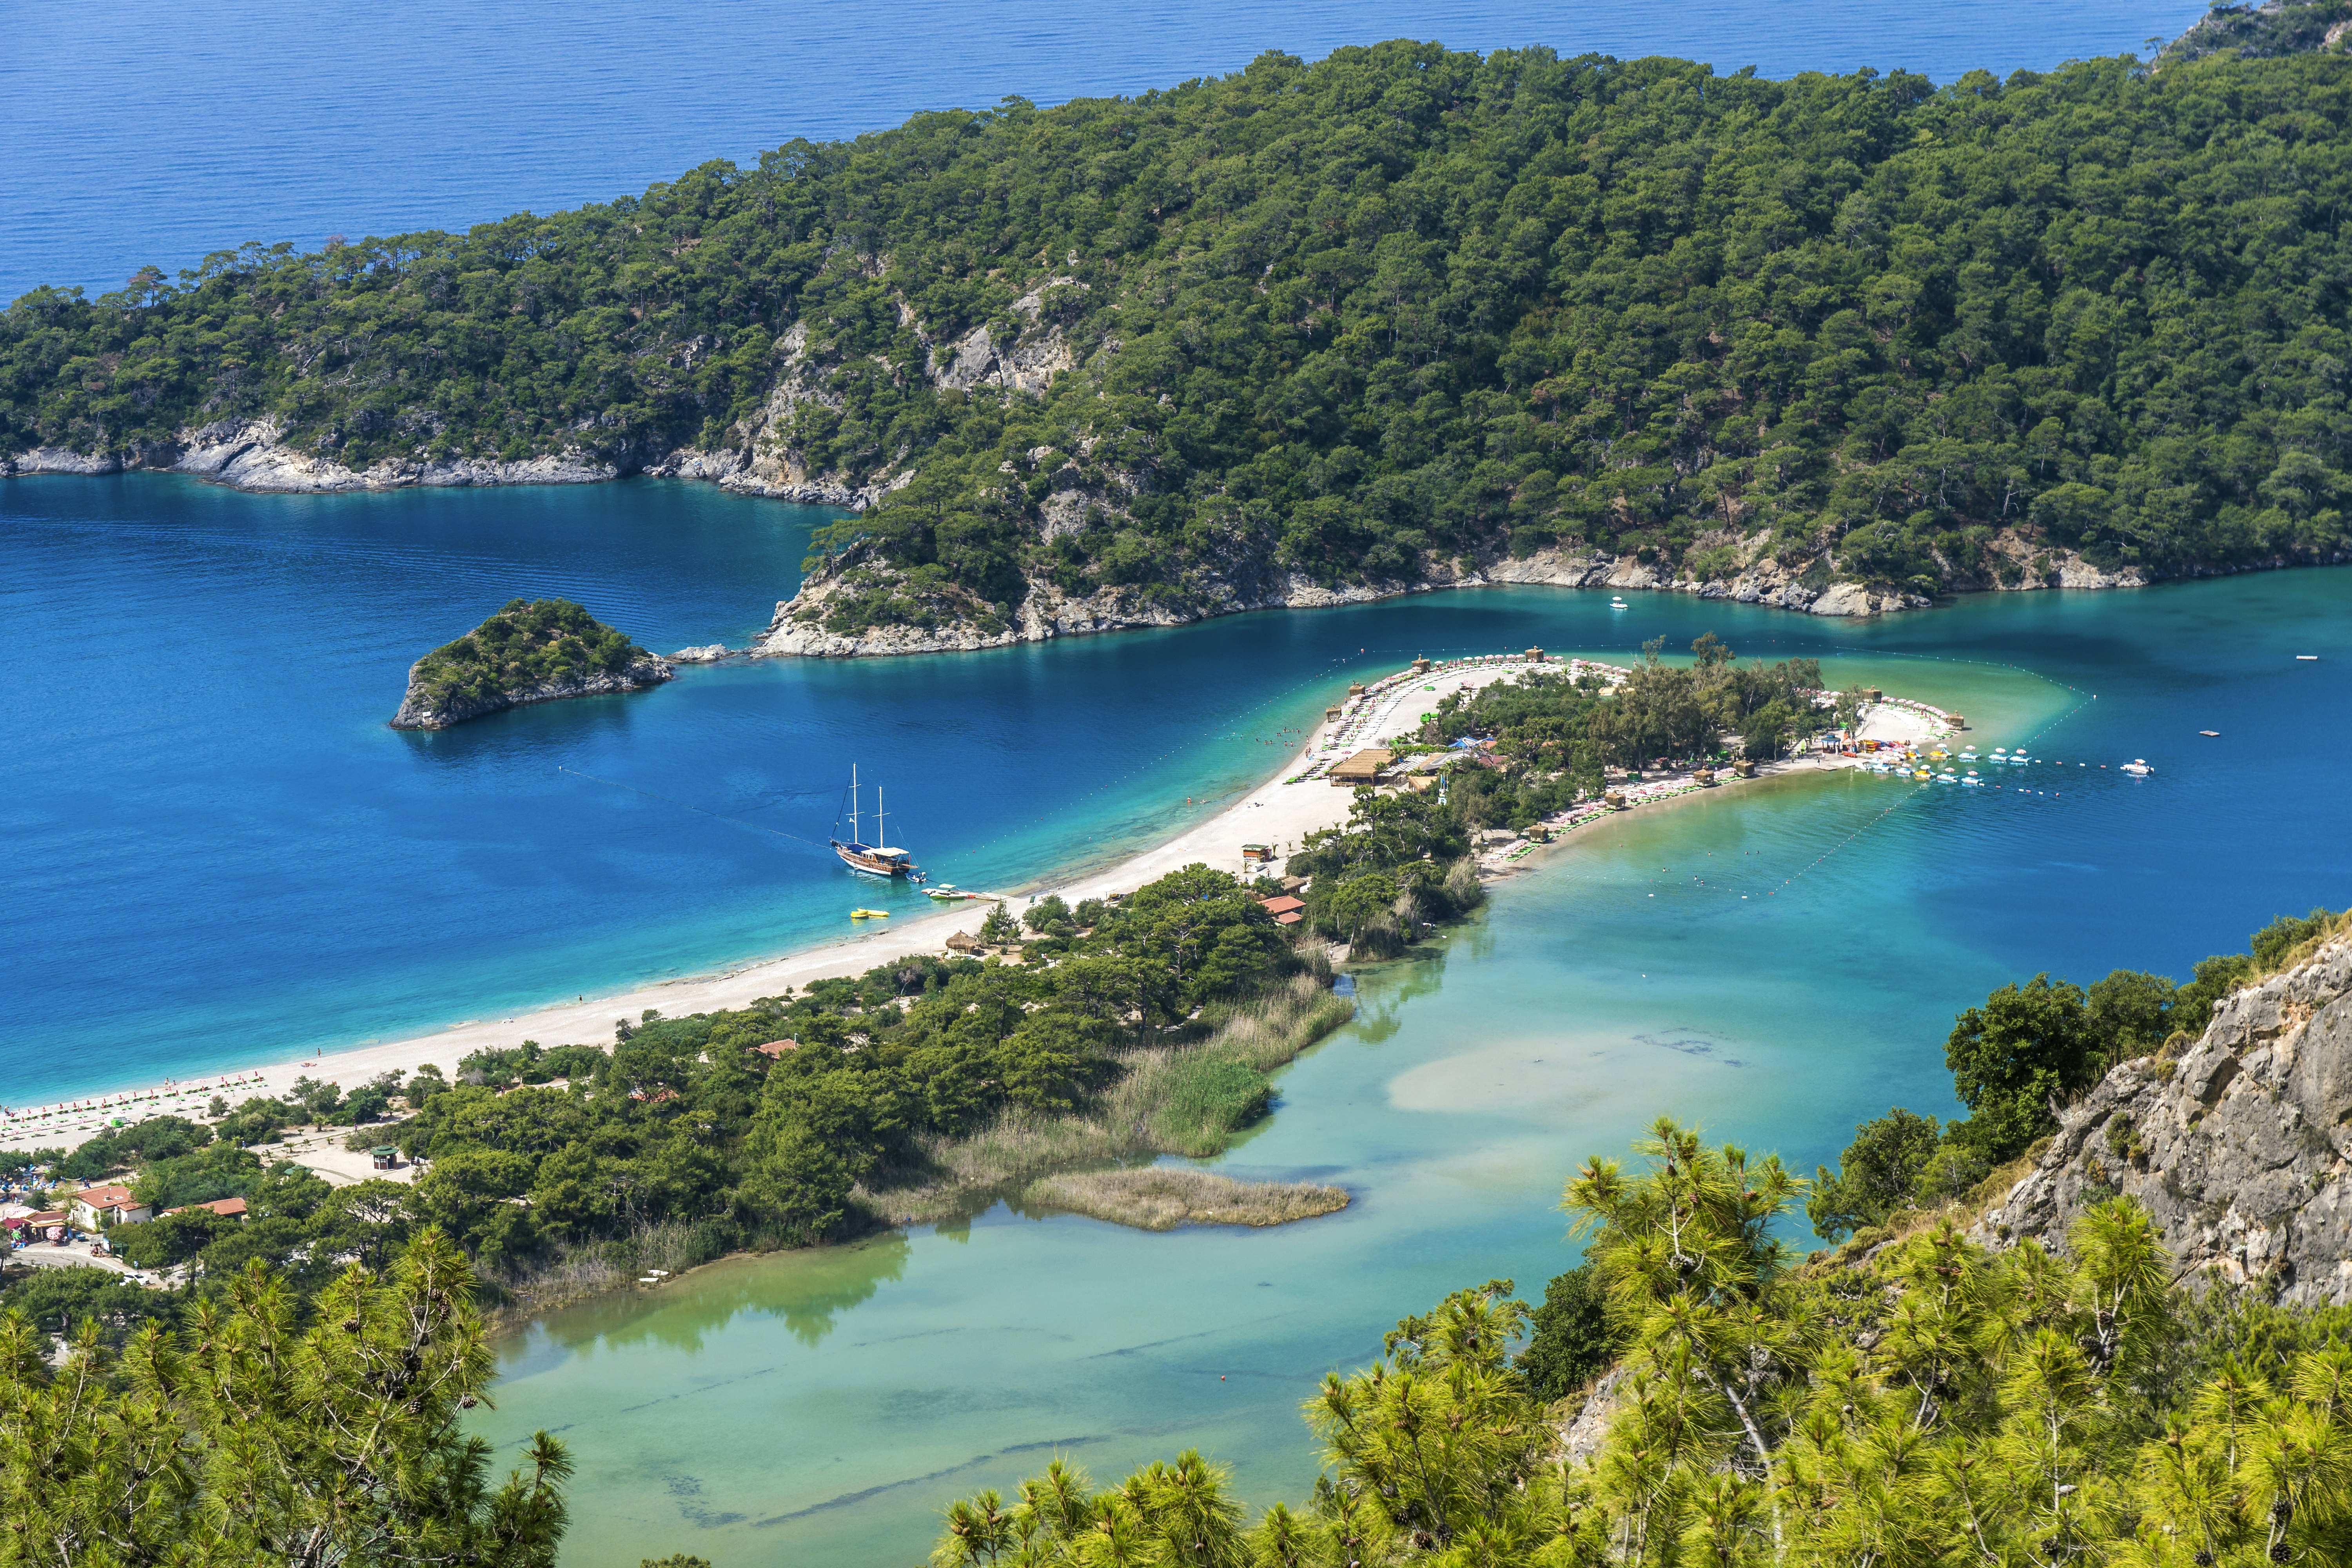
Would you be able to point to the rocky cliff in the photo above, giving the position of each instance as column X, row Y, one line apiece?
column 421, row 708
column 2240, row 1145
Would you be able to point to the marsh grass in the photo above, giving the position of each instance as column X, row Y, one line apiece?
column 1182, row 1098
column 570, row 1273
column 1159, row 1197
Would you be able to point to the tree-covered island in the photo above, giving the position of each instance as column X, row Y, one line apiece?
column 531, row 650
column 1309, row 332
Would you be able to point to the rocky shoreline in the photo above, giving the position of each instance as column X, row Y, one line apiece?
column 252, row 456
column 419, row 711
column 798, row 627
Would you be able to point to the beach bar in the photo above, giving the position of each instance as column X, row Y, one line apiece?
column 1364, row 768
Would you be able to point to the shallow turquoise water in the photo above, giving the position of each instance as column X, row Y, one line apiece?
column 820, row 1408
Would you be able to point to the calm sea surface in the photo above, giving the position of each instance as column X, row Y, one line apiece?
column 217, row 849
column 1774, row 964
column 148, row 131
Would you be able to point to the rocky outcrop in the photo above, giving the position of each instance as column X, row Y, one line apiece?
column 420, row 711
column 1046, row 611
column 768, row 459
column 1581, row 1435
column 2239, row 1147
column 60, row 460
column 1761, row 580
column 709, row 653
column 2264, row 32
column 252, row 455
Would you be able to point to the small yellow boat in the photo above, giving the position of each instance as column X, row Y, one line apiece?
column 869, row 914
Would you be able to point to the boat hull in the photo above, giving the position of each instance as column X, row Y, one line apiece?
column 858, row 857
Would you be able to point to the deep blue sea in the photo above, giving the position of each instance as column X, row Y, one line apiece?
column 217, row 849
column 153, row 131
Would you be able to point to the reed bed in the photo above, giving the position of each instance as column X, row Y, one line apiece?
column 1179, row 1099
column 572, row 1273
column 1159, row 1197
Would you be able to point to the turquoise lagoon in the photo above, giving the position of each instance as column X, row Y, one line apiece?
column 218, row 851
column 1773, row 963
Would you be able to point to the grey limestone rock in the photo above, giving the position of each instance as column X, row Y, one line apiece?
column 2239, row 1148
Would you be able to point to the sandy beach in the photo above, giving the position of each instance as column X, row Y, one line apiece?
column 1279, row 811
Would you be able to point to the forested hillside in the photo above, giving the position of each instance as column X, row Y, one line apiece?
column 1389, row 315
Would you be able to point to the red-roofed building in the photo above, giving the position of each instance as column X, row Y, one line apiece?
column 111, row 1204
column 775, row 1048
column 1286, row 911
column 227, row 1208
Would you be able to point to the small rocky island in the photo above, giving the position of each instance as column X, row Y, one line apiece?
column 532, row 650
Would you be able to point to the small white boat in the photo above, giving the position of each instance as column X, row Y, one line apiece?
column 1619, row 604
column 2138, row 766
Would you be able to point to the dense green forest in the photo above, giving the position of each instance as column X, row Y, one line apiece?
column 1127, row 1027
column 1356, row 319
column 272, row 1429
column 527, row 643
column 1924, row 1399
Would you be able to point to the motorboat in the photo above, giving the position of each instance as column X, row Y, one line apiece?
column 2138, row 767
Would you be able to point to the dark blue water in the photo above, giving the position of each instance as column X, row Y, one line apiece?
column 218, row 851
column 152, row 132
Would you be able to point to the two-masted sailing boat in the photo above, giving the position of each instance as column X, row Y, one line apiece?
column 873, row 859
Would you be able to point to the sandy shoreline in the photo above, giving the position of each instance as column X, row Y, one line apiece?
column 1280, row 811
column 1277, row 812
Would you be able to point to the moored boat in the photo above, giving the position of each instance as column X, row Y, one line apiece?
column 878, row 859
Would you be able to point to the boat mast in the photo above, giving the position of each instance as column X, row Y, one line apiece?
column 881, row 833
column 855, row 836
